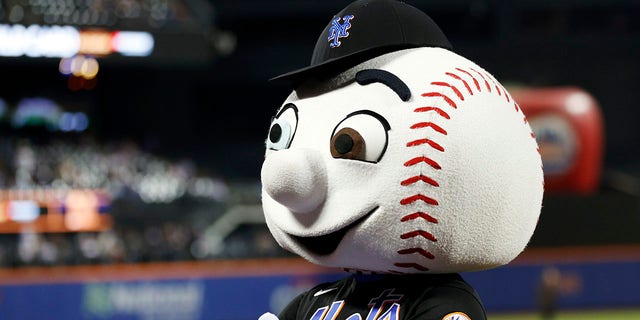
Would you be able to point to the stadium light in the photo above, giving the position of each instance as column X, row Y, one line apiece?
column 38, row 41
column 67, row 41
column 132, row 43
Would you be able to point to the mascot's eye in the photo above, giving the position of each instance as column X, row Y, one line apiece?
column 362, row 135
column 283, row 127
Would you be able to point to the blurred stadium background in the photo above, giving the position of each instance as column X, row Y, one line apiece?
column 133, row 133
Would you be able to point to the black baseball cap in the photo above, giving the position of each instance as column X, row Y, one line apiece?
column 366, row 29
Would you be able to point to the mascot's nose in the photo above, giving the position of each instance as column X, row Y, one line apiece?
column 296, row 178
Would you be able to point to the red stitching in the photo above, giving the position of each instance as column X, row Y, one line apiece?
column 503, row 89
column 495, row 84
column 424, row 159
column 421, row 251
column 486, row 83
column 421, row 215
column 438, row 94
column 429, row 124
column 419, row 233
column 422, row 178
column 436, row 109
column 475, row 81
column 457, row 77
column 455, row 90
column 411, row 265
column 489, row 81
column 418, row 197
column 427, row 141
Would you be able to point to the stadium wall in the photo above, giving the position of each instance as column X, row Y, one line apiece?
column 591, row 278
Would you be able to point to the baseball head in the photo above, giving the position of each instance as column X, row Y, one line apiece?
column 414, row 161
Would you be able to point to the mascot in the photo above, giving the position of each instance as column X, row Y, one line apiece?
column 400, row 161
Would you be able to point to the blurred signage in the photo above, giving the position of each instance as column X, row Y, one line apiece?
column 145, row 300
column 557, row 141
column 49, row 210
column 247, row 289
column 66, row 41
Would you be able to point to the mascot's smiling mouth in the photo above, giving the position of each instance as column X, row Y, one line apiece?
column 328, row 243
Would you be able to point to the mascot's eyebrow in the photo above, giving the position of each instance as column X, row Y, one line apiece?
column 387, row 78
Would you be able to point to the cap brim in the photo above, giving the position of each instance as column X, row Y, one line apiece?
column 335, row 66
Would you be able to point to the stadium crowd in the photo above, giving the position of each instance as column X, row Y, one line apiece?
column 161, row 208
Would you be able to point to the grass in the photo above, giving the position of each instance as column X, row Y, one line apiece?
column 573, row 315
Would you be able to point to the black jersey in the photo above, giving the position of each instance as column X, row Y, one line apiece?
column 389, row 297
